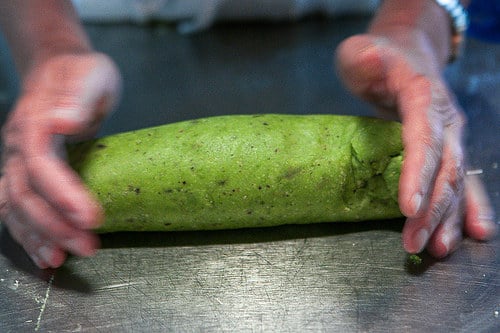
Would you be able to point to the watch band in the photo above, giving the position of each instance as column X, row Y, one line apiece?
column 459, row 24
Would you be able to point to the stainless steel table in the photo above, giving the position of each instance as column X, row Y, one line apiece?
column 326, row 277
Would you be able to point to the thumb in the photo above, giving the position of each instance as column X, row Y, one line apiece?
column 374, row 69
column 362, row 65
column 95, row 98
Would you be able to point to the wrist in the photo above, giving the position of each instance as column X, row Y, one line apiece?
column 38, row 30
column 459, row 23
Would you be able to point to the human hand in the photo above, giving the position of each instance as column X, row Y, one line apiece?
column 401, row 79
column 43, row 202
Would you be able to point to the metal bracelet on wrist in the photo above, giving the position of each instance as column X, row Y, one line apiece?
column 459, row 24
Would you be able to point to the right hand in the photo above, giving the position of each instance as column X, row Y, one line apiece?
column 396, row 74
column 43, row 202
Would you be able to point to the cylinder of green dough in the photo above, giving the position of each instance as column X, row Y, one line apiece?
column 241, row 171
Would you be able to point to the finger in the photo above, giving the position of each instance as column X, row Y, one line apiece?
column 31, row 210
column 418, row 231
column 42, row 252
column 82, row 104
column 423, row 136
column 46, row 173
column 77, row 206
column 480, row 218
column 362, row 63
column 448, row 192
column 448, row 234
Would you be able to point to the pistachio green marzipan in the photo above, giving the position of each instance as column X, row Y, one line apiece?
column 241, row 171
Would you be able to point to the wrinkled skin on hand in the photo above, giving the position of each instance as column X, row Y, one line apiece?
column 438, row 199
column 44, row 204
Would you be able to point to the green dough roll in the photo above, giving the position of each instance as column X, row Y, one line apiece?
column 240, row 171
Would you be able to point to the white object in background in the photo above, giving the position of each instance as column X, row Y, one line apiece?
column 193, row 15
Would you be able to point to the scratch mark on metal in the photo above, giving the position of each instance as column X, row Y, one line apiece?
column 302, row 248
column 44, row 303
column 118, row 285
column 258, row 255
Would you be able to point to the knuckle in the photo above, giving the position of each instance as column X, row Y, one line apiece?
column 33, row 164
column 440, row 207
column 433, row 155
column 449, row 195
column 456, row 186
column 454, row 170
column 18, row 196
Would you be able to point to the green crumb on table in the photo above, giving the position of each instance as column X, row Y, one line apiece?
column 415, row 259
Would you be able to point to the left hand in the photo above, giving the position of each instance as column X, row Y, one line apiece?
column 397, row 75
column 44, row 204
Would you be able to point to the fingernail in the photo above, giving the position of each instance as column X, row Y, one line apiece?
column 39, row 262
column 68, row 114
column 450, row 241
column 45, row 253
column 421, row 239
column 417, row 202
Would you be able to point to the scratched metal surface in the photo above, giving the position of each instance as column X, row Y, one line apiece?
column 327, row 277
